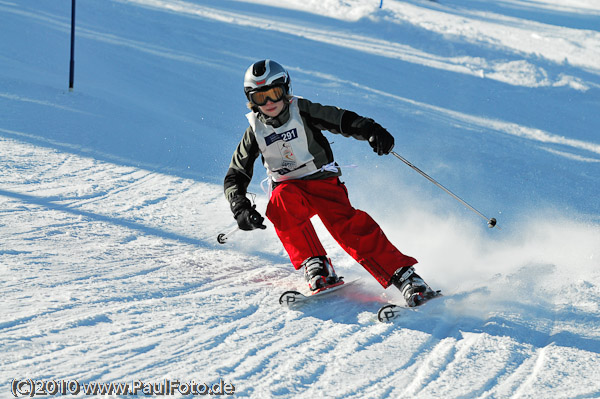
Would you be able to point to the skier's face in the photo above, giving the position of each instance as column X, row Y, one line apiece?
column 271, row 108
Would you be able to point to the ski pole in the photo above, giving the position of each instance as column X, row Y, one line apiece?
column 491, row 222
column 222, row 238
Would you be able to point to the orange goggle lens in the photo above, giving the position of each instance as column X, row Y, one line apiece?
column 274, row 94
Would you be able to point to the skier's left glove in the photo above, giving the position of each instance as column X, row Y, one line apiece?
column 246, row 215
column 381, row 140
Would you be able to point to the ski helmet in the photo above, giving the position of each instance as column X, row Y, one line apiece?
column 264, row 74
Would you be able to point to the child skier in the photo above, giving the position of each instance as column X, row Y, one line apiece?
column 286, row 131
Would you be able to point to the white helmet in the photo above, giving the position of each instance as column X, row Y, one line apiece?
column 264, row 74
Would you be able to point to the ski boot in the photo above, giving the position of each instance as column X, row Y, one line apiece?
column 319, row 273
column 413, row 288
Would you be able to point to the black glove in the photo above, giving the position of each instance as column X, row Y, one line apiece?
column 381, row 140
column 246, row 215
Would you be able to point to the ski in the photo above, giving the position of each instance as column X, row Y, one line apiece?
column 391, row 311
column 291, row 298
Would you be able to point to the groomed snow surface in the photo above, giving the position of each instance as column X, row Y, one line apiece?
column 111, row 197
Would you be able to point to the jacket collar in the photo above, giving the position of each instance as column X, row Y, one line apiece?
column 278, row 120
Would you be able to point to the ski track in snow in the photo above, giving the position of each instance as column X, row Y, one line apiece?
column 110, row 270
column 138, row 291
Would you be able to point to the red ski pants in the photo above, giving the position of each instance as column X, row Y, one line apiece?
column 293, row 203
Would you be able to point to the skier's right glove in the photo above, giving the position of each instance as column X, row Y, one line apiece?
column 246, row 215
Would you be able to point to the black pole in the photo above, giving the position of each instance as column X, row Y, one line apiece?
column 72, row 63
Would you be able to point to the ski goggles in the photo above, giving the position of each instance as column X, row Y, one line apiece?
column 274, row 94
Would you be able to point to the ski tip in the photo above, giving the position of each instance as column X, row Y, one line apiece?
column 388, row 313
column 289, row 298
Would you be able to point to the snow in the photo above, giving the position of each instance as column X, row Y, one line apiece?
column 111, row 197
